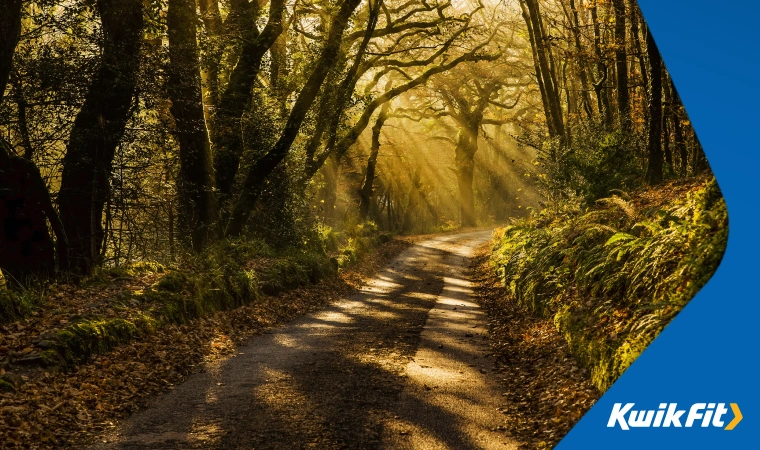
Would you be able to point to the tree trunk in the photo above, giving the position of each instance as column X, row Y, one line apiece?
column 199, row 213
column 621, row 61
column 10, row 32
column 97, row 130
column 263, row 167
column 635, row 17
column 654, row 163
column 466, row 148
column 572, row 16
column 336, row 98
column 668, row 110
column 279, row 70
column 226, row 126
column 542, row 52
column 212, row 22
column 365, row 193
column 602, row 97
column 678, row 137
column 329, row 190
column 26, row 248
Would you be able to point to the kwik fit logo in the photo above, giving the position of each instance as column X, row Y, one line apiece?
column 668, row 415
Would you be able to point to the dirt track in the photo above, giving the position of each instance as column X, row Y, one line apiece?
column 401, row 364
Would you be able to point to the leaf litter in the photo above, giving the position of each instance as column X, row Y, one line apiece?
column 545, row 391
column 53, row 409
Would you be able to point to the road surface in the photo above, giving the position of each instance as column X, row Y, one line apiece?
column 401, row 364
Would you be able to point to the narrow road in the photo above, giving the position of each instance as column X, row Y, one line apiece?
column 401, row 364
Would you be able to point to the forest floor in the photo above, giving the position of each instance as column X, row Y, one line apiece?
column 401, row 357
column 545, row 392
column 402, row 363
column 53, row 409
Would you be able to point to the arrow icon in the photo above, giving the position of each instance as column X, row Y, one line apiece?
column 737, row 417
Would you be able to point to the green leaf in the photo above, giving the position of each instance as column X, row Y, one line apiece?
column 619, row 237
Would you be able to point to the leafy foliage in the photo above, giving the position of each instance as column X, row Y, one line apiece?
column 613, row 276
column 594, row 165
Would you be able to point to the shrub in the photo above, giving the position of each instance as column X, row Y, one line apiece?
column 597, row 163
column 613, row 277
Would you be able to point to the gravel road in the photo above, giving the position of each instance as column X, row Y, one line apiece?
column 401, row 364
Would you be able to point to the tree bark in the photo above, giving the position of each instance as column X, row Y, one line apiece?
column 602, row 97
column 572, row 16
column 97, row 130
column 335, row 99
column 10, row 32
column 466, row 148
column 365, row 193
column 226, row 126
column 199, row 213
column 264, row 167
column 329, row 191
column 678, row 137
column 532, row 16
column 635, row 17
column 621, row 62
column 668, row 110
column 26, row 248
column 212, row 22
column 655, row 156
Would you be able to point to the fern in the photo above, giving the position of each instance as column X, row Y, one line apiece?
column 612, row 277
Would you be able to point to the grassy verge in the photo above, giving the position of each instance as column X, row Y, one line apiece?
column 225, row 277
column 613, row 276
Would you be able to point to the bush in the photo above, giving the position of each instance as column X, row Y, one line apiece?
column 597, row 163
column 613, row 277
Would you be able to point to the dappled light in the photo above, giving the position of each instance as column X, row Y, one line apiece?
column 266, row 212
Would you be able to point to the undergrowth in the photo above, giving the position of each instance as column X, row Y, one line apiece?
column 613, row 276
column 226, row 276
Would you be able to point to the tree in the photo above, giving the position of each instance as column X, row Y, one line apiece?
column 97, row 131
column 10, row 31
column 26, row 248
column 654, row 139
column 199, row 210
column 256, row 112
column 365, row 193
column 621, row 64
column 266, row 165
column 226, row 127
column 544, row 65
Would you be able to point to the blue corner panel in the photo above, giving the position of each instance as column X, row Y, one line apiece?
column 710, row 352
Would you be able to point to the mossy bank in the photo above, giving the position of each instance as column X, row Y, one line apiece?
column 226, row 276
column 613, row 275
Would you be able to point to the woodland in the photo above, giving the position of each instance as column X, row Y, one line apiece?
column 146, row 130
column 179, row 140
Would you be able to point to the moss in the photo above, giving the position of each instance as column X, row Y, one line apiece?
column 80, row 340
column 612, row 277
column 173, row 282
column 146, row 267
column 283, row 274
column 105, row 275
column 6, row 386
column 51, row 358
column 218, row 281
column 20, row 301
column 595, row 354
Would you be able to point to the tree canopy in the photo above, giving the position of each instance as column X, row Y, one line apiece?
column 145, row 130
